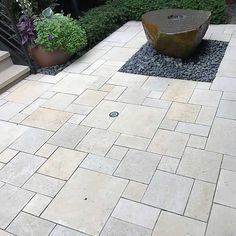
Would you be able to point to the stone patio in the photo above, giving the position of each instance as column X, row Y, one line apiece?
column 165, row 166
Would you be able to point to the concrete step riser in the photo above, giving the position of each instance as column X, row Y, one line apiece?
column 4, row 64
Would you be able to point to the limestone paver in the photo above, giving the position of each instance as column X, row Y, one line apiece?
column 156, row 84
column 168, row 191
column 115, row 93
column 117, row 152
column 169, row 143
column 206, row 115
column 26, row 224
column 229, row 163
column 157, row 103
column 47, row 119
column 200, row 164
column 169, row 124
column 195, row 129
column 138, row 166
column 91, row 144
column 79, row 109
column 197, row 142
column 136, row 213
column 222, row 137
column 33, row 106
column 170, row 224
column 7, row 155
column 224, row 84
column 62, row 163
column 46, row 150
column 222, row 221
column 89, row 197
column 76, row 119
column 227, row 109
column 10, row 109
column 4, row 233
column 168, row 164
column 20, row 168
column 133, row 118
column 63, row 231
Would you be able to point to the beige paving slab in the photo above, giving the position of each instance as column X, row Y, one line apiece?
column 227, row 84
column 62, row 163
column 229, row 163
column 53, row 79
column 64, row 231
column 200, row 164
column 168, row 164
column 194, row 129
column 92, row 56
column 229, row 96
column 133, row 96
column 79, row 109
column 227, row 109
column 197, row 142
column 76, row 119
column 115, row 93
column 206, row 115
column 33, row 106
column 134, row 118
column 106, row 70
column 157, row 103
column 46, row 150
column 227, row 68
column 168, row 143
column 156, row 84
column 170, row 224
column 10, row 109
column 169, row 124
column 117, row 152
column 90, row 196
column 4, row 233
column 47, row 119
column 7, row 155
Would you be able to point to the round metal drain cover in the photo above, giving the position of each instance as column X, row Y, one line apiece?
column 114, row 114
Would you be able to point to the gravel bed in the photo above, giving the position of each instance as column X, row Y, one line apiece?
column 202, row 66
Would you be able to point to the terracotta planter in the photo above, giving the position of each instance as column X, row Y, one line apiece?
column 46, row 59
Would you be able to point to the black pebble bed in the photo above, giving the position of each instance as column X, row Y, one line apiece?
column 202, row 66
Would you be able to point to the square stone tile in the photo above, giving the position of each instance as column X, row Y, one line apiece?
column 205, row 97
column 227, row 109
column 53, row 79
column 155, row 94
column 37, row 204
column 168, row 124
column 168, row 164
column 10, row 109
column 99, row 117
column 206, row 115
column 226, row 191
column 31, row 140
column 44, row 185
column 47, row 119
column 168, row 191
column 98, row 141
column 229, row 163
column 46, row 150
column 138, row 121
column 222, row 221
column 200, row 164
column 115, row 93
column 7, row 155
column 18, row 118
column 90, row 98
column 183, row 112
column 69, row 135
column 133, row 95
column 20, row 169
column 28, row 92
column 136, row 213
column 76, row 119
column 157, row 84
column 106, row 70
column 33, row 106
column 197, row 142
column 138, row 166
column 62, row 163
column 168, row 143
column 89, row 197
column 115, row 227
column 117, row 152
column 178, row 226
column 12, row 200
column 79, row 109
column 60, row 101
column 26, row 224
column 224, row 84
column 179, row 91
column 194, row 129
column 100, row 164
column 200, row 201
column 63, row 231
column 222, row 137
column 135, row 191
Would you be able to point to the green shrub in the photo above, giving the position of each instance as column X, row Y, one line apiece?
column 60, row 32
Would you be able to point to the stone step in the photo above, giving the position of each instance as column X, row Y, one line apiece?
column 5, row 60
column 13, row 73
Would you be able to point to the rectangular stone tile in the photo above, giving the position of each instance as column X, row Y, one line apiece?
column 28, row 92
column 46, row 150
column 229, row 163
column 127, row 80
column 133, row 142
column 222, row 137
column 77, row 67
column 117, row 152
column 89, row 197
column 138, row 166
column 168, row 124
column 227, row 68
column 206, row 115
column 53, row 79
column 69, row 135
column 33, row 106
column 26, row 224
column 121, row 228
column 31, row 140
column 179, row 91
column 183, row 112
column 203, row 85
column 37, row 204
column 115, row 93
column 10, row 109
column 229, row 96
column 138, row 121
column 180, row 226
column 169, row 143
column 157, row 84
column 62, row 163
column 222, row 221
column 47, row 95
column 100, row 164
column 7, row 155
column 92, row 55
column 195, row 129
column 205, row 97
column 200, row 201
column 99, row 117
column 121, row 37
column 224, row 84
column 168, row 164
column 76, row 119
column 18, row 118
column 106, row 71
column 79, row 109
column 197, row 142
column 157, row 103
column 136, row 213
column 226, row 192
column 168, row 191
column 60, row 101
column 63, row 231
column 20, row 169
column 200, row 164
column 12, row 200
column 47, row 119
column 44, row 184
column 227, row 109
column 155, row 94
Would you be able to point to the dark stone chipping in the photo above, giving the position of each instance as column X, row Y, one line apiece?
column 202, row 66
